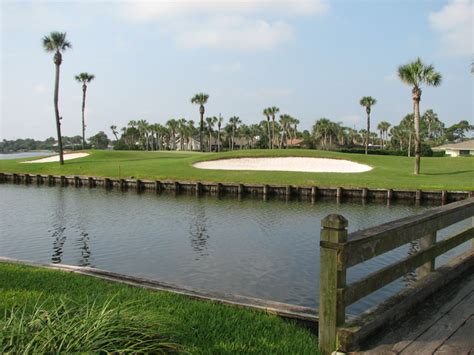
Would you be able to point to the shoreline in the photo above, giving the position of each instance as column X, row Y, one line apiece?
column 311, row 193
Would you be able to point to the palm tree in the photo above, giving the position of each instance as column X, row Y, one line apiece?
column 219, row 124
column 267, row 114
column 210, row 122
column 416, row 74
column 144, row 129
column 114, row 131
column 383, row 130
column 367, row 102
column 172, row 126
column 201, row 99
column 273, row 111
column 56, row 42
column 84, row 78
column 234, row 123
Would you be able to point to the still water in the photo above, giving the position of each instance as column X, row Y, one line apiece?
column 266, row 249
column 38, row 153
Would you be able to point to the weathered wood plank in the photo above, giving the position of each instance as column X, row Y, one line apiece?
column 366, row 244
column 443, row 329
column 332, row 282
column 403, row 302
column 461, row 342
column 371, row 283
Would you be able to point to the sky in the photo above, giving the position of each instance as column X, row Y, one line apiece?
column 310, row 58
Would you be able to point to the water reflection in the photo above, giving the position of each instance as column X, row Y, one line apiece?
column 84, row 248
column 58, row 230
column 198, row 231
column 262, row 249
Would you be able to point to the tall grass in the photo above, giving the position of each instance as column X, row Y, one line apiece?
column 68, row 327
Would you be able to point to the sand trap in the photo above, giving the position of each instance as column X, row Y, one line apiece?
column 310, row 165
column 55, row 158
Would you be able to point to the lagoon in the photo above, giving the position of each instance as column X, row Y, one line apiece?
column 265, row 249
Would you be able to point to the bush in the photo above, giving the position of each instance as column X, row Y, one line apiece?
column 426, row 151
column 67, row 327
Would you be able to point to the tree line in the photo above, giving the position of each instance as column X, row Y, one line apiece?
column 269, row 133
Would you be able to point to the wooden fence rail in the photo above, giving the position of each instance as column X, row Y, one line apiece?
column 340, row 251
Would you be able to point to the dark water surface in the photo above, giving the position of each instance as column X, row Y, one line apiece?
column 266, row 249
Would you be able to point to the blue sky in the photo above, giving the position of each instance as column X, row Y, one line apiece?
column 311, row 58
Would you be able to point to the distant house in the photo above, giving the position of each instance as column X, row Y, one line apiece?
column 295, row 142
column 457, row 149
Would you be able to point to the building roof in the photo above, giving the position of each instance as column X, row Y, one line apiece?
column 466, row 145
column 294, row 141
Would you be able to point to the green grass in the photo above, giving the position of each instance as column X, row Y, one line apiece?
column 198, row 327
column 388, row 171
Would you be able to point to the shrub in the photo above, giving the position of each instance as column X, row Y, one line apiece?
column 67, row 327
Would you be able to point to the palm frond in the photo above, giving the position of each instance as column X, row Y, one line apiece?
column 56, row 41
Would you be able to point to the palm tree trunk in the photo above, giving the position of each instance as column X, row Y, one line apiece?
column 201, row 129
column 409, row 144
column 58, row 119
column 210, row 134
column 367, row 135
column 219, row 139
column 84, row 89
column 416, row 107
column 273, row 129
column 269, row 133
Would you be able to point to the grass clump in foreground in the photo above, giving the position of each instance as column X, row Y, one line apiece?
column 197, row 327
column 444, row 173
column 68, row 327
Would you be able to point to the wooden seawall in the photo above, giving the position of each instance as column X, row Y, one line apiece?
column 199, row 188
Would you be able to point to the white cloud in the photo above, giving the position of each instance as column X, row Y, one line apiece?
column 243, row 25
column 226, row 68
column 454, row 23
column 352, row 120
column 166, row 9
column 40, row 89
column 236, row 35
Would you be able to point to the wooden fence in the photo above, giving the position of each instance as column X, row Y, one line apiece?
column 340, row 251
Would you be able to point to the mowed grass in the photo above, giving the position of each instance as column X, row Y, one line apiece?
column 388, row 171
column 197, row 327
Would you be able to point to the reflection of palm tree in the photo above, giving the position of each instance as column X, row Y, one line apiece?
column 58, row 243
column 198, row 232
column 84, row 241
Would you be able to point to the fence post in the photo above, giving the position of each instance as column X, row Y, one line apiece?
column 332, row 280
column 425, row 242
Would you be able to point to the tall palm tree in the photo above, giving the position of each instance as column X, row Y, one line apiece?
column 201, row 99
column 273, row 111
column 114, row 131
column 367, row 102
column 56, row 42
column 219, row 125
column 84, row 78
column 416, row 74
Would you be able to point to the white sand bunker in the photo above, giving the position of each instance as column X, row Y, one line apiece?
column 310, row 165
column 55, row 158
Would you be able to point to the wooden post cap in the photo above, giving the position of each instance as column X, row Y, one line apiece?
column 334, row 221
